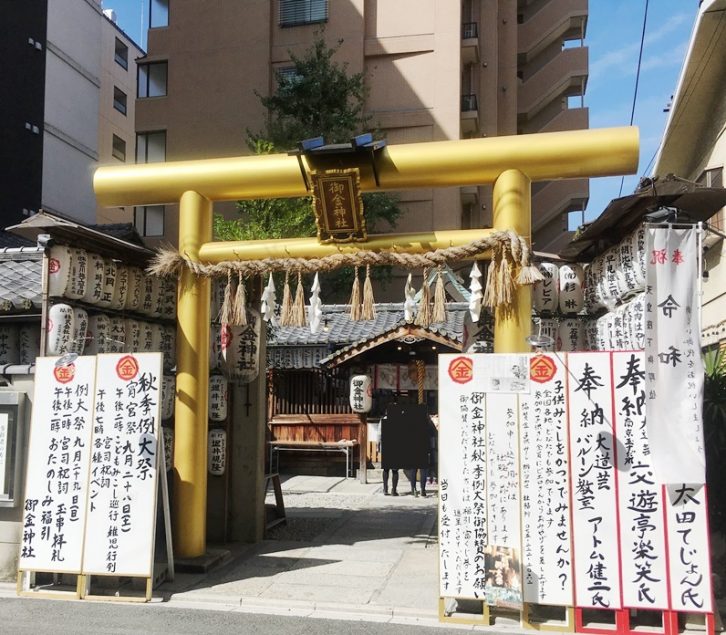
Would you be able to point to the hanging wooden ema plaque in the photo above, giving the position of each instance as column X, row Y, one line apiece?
column 338, row 206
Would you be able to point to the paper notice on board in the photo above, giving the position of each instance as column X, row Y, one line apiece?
column 506, row 374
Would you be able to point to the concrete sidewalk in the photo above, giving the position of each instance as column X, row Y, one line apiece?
column 346, row 551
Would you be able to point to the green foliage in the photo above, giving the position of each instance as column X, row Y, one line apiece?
column 320, row 99
column 714, row 430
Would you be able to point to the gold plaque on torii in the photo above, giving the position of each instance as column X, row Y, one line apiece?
column 338, row 206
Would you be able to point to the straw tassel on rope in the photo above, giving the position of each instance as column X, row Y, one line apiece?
column 298, row 308
column 439, row 313
column 239, row 312
column 225, row 313
column 355, row 303
column 368, row 311
column 423, row 318
column 286, row 308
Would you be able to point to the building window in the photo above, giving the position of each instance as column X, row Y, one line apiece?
column 152, row 79
column 121, row 54
column 149, row 220
column 119, row 100
column 118, row 149
column 287, row 76
column 158, row 13
column 151, row 147
column 297, row 12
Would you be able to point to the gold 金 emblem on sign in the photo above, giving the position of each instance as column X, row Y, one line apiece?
column 338, row 206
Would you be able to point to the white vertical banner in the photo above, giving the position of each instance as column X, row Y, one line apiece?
column 688, row 548
column 594, row 481
column 502, row 492
column 124, row 466
column 56, row 482
column 674, row 370
column 544, row 473
column 463, row 523
column 642, row 526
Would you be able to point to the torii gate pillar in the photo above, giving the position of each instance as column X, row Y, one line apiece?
column 513, row 210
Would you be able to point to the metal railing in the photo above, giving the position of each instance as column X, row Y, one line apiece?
column 469, row 30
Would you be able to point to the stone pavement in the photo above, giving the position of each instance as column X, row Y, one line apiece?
column 346, row 551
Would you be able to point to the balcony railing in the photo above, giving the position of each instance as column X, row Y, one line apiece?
column 469, row 30
column 469, row 103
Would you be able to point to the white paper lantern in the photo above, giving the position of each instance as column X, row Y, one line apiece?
column 157, row 310
column 150, row 296
column 215, row 345
column 147, row 337
column 134, row 294
column 122, row 288
column 241, row 349
column 80, row 330
column 168, row 293
column 77, row 281
column 94, row 284
column 99, row 332
column 361, row 393
column 9, row 345
column 59, row 270
column 635, row 318
column 620, row 330
column 614, row 286
column 109, row 283
column 217, row 451
column 571, row 293
column 168, row 346
column 132, row 335
column 545, row 294
column 117, row 333
column 28, row 343
column 168, row 447
column 168, row 393
column 218, row 397
column 59, row 329
column 637, row 248
column 217, row 291
column 571, row 335
column 591, row 335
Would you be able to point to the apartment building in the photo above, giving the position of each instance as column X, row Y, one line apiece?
column 70, row 82
column 436, row 70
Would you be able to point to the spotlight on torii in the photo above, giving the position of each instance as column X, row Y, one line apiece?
column 509, row 163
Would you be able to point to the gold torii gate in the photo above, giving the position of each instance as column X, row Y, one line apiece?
column 510, row 163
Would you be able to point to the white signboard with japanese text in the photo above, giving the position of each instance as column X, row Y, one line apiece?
column 598, row 528
column 124, row 465
column 56, row 482
column 688, row 548
column 642, row 531
column 674, row 386
column 544, row 448
column 594, row 481
column 463, row 526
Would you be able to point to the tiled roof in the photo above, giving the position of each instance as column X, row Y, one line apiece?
column 11, row 240
column 342, row 331
column 20, row 280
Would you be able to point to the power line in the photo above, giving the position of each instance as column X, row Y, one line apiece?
column 637, row 80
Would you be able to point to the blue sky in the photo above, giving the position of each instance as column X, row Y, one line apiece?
column 613, row 37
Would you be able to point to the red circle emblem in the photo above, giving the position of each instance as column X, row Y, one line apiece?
column 54, row 265
column 64, row 374
column 225, row 337
column 461, row 370
column 127, row 367
column 541, row 369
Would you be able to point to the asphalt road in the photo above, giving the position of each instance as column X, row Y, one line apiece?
column 62, row 617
